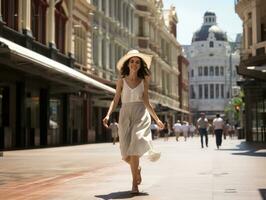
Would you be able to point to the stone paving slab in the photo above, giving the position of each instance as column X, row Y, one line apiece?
column 95, row 171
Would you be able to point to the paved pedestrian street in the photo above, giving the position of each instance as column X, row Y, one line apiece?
column 95, row 171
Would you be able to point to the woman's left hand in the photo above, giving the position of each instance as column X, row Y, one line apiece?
column 160, row 124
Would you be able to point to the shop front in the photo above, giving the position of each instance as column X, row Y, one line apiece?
column 43, row 102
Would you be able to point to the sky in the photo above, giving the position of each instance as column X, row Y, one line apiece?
column 190, row 16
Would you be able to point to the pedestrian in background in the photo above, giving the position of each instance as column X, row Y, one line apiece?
column 177, row 129
column 154, row 129
column 185, row 129
column 218, row 125
column 114, row 129
column 191, row 130
column 134, row 116
column 202, row 125
column 166, row 130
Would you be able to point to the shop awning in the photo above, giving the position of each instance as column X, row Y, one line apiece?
column 50, row 66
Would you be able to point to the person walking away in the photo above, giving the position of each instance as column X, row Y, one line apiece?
column 134, row 115
column 114, row 129
column 185, row 128
column 191, row 130
column 177, row 129
column 202, row 125
column 166, row 130
column 218, row 125
column 210, row 130
column 154, row 129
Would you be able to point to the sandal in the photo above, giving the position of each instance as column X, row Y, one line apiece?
column 139, row 179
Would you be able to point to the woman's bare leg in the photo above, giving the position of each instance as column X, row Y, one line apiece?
column 134, row 165
column 138, row 176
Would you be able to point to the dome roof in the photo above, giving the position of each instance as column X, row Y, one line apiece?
column 209, row 26
column 209, row 13
column 203, row 33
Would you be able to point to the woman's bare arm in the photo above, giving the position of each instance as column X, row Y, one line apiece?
column 148, row 105
column 113, row 105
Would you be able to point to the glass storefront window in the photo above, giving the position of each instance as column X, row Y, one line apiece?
column 55, row 120
column 33, row 109
column 1, row 107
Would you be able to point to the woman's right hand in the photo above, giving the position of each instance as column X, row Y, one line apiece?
column 105, row 121
column 160, row 124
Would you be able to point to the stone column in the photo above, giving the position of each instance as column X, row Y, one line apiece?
column 1, row 18
column 51, row 24
column 69, row 27
column 26, row 17
column 256, row 27
column 246, row 35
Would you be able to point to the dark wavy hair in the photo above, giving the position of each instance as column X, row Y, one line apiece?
column 142, row 72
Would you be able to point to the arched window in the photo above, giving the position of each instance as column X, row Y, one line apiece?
column 9, row 9
column 211, row 44
column 38, row 19
column 60, row 26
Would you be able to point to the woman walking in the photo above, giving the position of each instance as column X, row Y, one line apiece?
column 134, row 119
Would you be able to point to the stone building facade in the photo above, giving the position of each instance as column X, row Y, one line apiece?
column 212, row 68
column 253, row 67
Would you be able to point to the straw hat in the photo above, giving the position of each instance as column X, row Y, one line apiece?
column 133, row 53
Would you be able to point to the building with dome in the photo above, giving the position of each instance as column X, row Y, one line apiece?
column 212, row 70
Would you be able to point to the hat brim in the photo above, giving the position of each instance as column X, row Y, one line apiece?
column 145, row 57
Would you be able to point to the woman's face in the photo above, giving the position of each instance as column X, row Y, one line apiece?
column 134, row 64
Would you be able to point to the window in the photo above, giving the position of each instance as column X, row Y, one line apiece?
column 211, row 71
column 200, row 92
column 192, row 73
column 216, row 71
column 104, row 6
column 221, row 71
column 141, row 26
column 205, row 71
column 95, row 49
column 96, row 4
column 217, row 91
column 200, row 71
column 192, row 92
column 222, row 90
column 211, row 44
column 60, row 26
column 38, row 20
column 9, row 9
column 206, row 91
column 104, row 54
column 80, row 45
column 211, row 91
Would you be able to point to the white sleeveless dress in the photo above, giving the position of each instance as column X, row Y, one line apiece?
column 134, row 124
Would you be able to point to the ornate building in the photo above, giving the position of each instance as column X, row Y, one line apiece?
column 141, row 25
column 253, row 67
column 45, row 50
column 58, row 59
column 212, row 68
column 156, row 34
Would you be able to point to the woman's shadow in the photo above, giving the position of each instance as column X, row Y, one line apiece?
column 120, row 195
